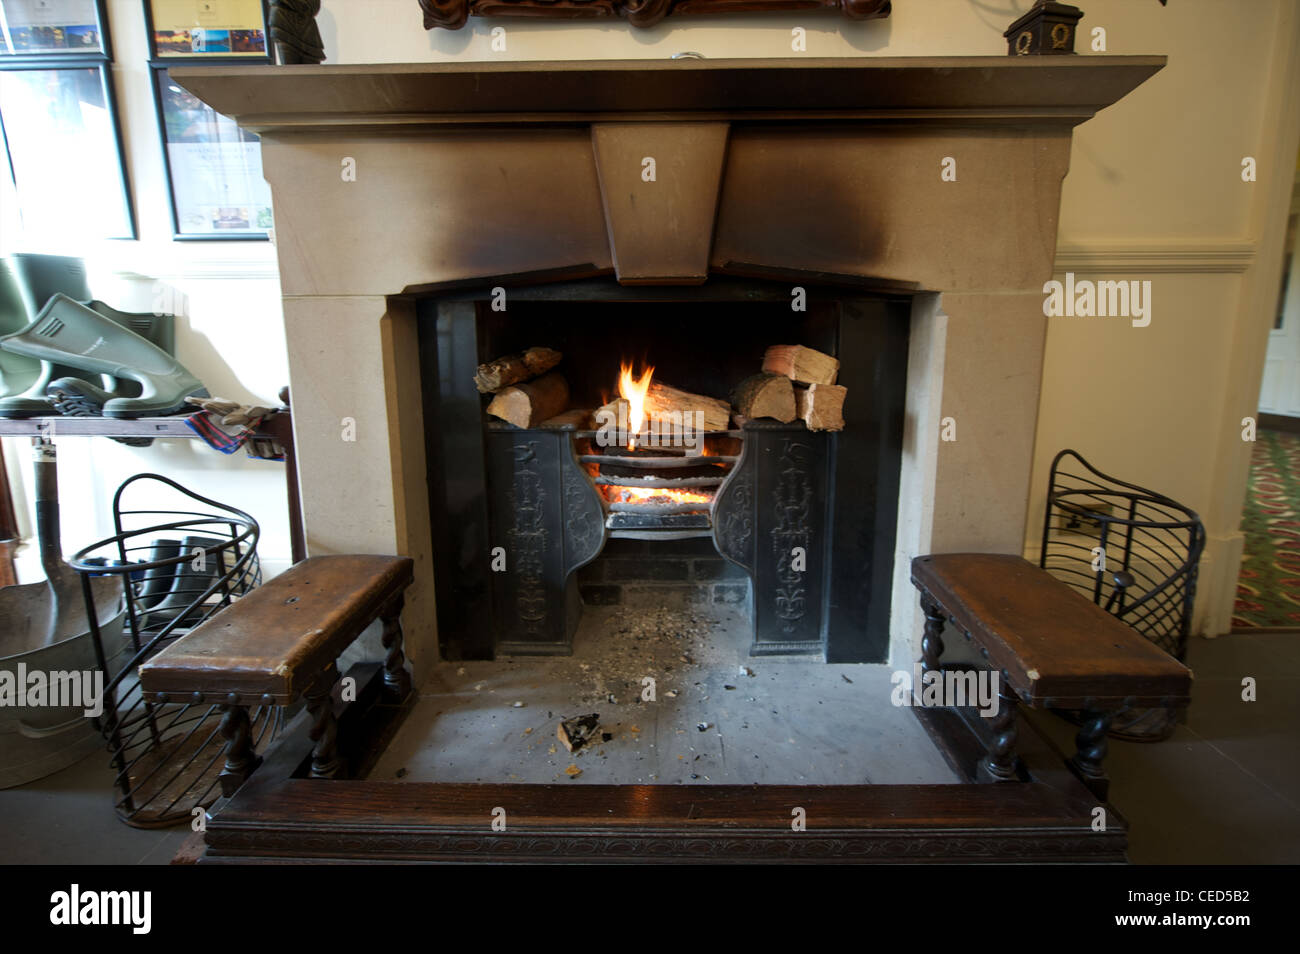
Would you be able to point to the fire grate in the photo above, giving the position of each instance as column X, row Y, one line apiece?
column 659, row 492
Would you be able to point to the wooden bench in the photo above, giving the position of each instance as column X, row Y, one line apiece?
column 280, row 643
column 1053, row 647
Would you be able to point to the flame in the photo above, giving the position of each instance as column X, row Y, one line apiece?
column 633, row 390
column 656, row 495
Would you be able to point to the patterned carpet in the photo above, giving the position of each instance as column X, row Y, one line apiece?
column 1268, row 590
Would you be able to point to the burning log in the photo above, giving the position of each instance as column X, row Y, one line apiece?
column 662, row 402
column 765, row 395
column 512, row 369
column 527, row 405
column 821, row 406
column 801, row 364
column 670, row 409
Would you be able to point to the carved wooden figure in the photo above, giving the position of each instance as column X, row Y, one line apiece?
column 294, row 30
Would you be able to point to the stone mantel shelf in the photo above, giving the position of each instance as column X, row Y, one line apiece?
column 1054, row 90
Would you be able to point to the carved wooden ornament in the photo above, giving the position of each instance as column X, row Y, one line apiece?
column 452, row 14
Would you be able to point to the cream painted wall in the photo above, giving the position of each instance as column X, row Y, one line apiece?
column 1154, row 193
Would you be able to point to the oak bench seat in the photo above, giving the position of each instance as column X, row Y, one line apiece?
column 1053, row 647
column 280, row 643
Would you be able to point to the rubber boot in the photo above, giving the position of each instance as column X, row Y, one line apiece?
column 187, row 585
column 45, row 276
column 17, row 372
column 76, row 397
column 69, row 332
column 39, row 278
column 157, row 581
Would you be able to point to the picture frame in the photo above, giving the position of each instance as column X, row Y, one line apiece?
column 207, row 30
column 214, row 169
column 63, row 147
column 53, row 28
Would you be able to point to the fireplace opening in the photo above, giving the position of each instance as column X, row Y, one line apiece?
column 628, row 494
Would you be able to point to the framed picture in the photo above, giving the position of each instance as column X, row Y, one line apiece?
column 206, row 29
column 214, row 168
column 64, row 152
column 53, row 27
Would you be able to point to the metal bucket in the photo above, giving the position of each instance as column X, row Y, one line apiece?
column 36, row 741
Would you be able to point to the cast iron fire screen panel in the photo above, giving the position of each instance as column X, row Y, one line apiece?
column 836, row 494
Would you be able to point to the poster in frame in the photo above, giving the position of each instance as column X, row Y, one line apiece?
column 214, row 169
column 63, row 146
column 46, row 28
column 204, row 30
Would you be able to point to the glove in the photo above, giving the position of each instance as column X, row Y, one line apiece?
column 230, row 413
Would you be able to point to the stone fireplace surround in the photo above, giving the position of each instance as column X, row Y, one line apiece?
column 802, row 170
column 484, row 174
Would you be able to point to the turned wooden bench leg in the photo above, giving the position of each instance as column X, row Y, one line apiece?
column 1091, row 750
column 325, row 762
column 1001, row 761
column 932, row 640
column 397, row 681
column 241, row 760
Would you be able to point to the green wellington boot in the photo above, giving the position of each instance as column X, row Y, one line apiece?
column 40, row 277
column 17, row 372
column 77, row 397
column 68, row 332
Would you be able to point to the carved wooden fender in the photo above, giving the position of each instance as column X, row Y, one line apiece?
column 452, row 14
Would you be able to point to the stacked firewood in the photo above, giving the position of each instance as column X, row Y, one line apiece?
column 525, row 390
column 796, row 382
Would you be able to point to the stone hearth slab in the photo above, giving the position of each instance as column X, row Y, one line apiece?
column 794, row 721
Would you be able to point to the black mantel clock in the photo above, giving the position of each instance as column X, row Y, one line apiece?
column 1047, row 27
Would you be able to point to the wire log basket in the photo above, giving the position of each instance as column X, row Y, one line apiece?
column 179, row 568
column 1133, row 552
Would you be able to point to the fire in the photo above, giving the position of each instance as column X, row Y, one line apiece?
column 656, row 495
column 633, row 390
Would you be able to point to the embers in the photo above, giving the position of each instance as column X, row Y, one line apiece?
column 660, row 488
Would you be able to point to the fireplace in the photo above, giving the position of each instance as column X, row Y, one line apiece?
column 800, row 523
column 524, row 176
column 492, row 207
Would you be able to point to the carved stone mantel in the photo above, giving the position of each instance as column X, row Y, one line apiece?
column 468, row 173
column 961, row 90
